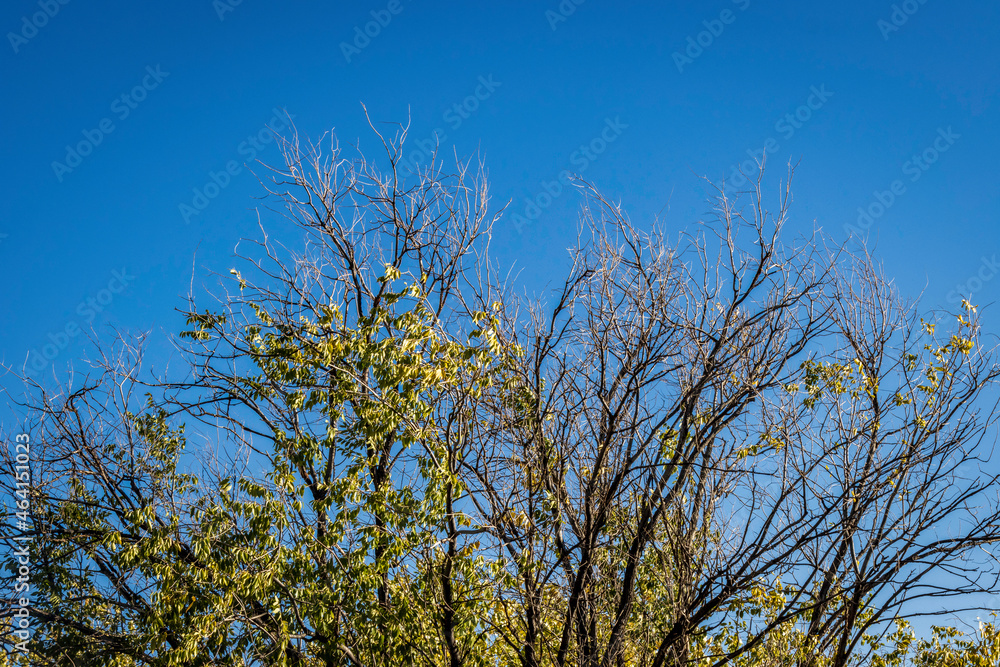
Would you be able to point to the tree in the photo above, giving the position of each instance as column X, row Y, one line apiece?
column 726, row 449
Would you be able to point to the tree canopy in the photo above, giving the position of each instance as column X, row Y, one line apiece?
column 728, row 447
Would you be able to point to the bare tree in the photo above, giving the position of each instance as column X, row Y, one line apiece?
column 691, row 452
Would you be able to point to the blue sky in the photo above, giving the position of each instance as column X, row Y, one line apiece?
column 888, row 108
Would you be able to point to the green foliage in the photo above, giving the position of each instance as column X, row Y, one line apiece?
column 405, row 491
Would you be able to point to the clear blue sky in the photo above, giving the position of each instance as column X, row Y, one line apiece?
column 679, row 90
